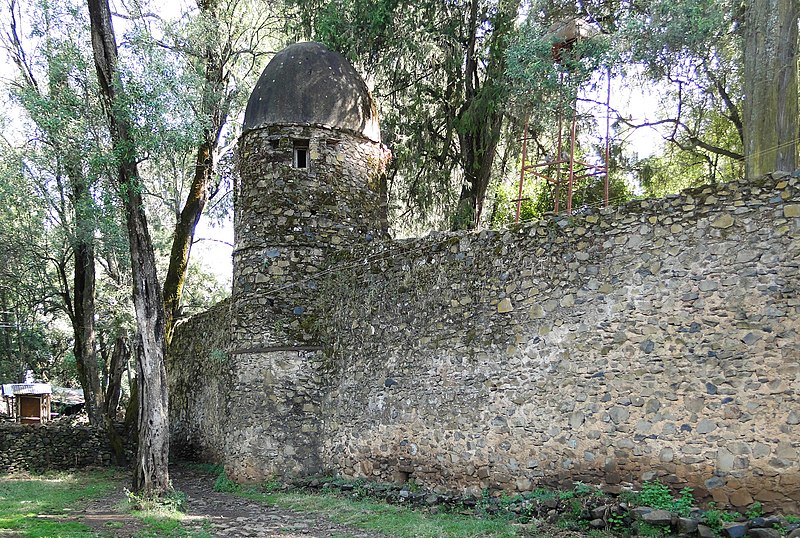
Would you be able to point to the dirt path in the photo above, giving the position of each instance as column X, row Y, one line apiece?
column 219, row 514
column 233, row 516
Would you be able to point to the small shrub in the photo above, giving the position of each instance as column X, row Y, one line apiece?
column 683, row 504
column 651, row 531
column 174, row 501
column 271, row 485
column 223, row 484
column 541, row 494
column 658, row 496
column 756, row 510
column 616, row 522
column 715, row 518
column 585, row 490
column 412, row 486
column 655, row 495
column 566, row 495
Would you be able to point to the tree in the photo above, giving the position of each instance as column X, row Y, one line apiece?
column 225, row 41
column 770, row 118
column 437, row 68
column 151, row 477
column 690, row 51
column 58, row 98
column 30, row 302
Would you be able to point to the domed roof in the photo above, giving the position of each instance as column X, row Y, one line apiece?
column 306, row 83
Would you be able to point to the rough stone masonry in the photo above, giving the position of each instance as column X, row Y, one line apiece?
column 658, row 339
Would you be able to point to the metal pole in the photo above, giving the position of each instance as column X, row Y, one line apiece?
column 572, row 158
column 522, row 168
column 608, row 139
column 558, row 159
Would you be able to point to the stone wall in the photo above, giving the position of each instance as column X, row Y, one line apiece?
column 34, row 447
column 656, row 339
column 274, row 410
column 288, row 222
column 288, row 219
column 198, row 370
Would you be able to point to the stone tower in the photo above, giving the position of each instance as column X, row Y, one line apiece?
column 312, row 170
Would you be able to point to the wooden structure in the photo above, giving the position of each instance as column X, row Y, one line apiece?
column 564, row 35
column 28, row 403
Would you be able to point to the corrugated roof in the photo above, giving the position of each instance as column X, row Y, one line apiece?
column 13, row 389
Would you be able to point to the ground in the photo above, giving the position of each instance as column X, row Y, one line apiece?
column 211, row 513
column 219, row 514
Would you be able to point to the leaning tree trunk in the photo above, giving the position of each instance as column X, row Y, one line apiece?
column 770, row 121
column 151, row 477
column 214, row 109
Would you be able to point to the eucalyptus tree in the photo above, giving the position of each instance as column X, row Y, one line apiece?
column 30, row 299
column 770, row 85
column 437, row 69
column 54, row 88
column 733, row 67
column 202, row 64
column 151, row 476
column 694, row 49
column 211, row 55
column 690, row 51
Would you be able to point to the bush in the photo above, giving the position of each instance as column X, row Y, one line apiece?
column 224, row 484
column 658, row 496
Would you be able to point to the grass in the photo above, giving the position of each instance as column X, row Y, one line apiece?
column 24, row 500
column 38, row 506
column 386, row 518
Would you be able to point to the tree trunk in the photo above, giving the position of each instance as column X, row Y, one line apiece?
column 183, row 238
column 214, row 110
column 770, row 119
column 85, row 349
column 151, row 477
column 481, row 117
column 117, row 365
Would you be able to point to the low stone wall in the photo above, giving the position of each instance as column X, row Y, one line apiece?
column 198, row 371
column 35, row 447
column 657, row 339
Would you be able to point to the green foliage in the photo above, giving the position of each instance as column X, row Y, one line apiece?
column 658, row 496
column 756, row 510
column 662, row 34
column 683, row 504
column 651, row 531
column 225, row 485
column 174, row 501
column 545, row 87
column 586, row 490
column 655, row 495
column 616, row 522
column 714, row 517
column 412, row 486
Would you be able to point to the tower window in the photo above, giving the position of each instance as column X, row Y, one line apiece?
column 300, row 154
